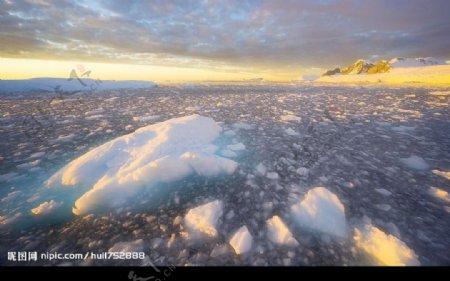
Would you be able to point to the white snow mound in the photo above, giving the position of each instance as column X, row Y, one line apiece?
column 278, row 233
column 242, row 240
column 386, row 249
column 321, row 210
column 204, row 218
column 160, row 153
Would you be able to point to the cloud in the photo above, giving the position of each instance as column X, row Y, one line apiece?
column 265, row 34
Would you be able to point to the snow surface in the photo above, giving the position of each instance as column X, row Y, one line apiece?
column 321, row 210
column 387, row 249
column 46, row 208
column 278, row 232
column 164, row 152
column 241, row 241
column 203, row 219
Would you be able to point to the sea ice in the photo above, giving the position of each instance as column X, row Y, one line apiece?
column 128, row 247
column 236, row 147
column 442, row 174
column 46, row 208
column 387, row 249
column 291, row 118
column 278, row 233
column 439, row 193
column 242, row 240
column 261, row 169
column 204, row 218
column 415, row 162
column 383, row 191
column 164, row 152
column 272, row 175
column 4, row 220
column 146, row 118
column 291, row 132
column 321, row 210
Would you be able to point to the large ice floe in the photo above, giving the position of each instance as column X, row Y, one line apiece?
column 321, row 210
column 386, row 249
column 164, row 152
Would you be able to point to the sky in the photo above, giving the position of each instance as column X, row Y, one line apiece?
column 195, row 40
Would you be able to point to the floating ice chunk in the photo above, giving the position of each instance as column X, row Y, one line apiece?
column 291, row 132
column 291, row 118
column 272, row 175
column 229, row 153
column 128, row 247
column 112, row 99
column 387, row 249
column 440, row 93
column 383, row 191
column 383, row 207
column 402, row 129
column 321, row 210
column 242, row 126
column 303, row 171
column 241, row 241
column 193, row 108
column 442, row 174
column 164, row 152
column 278, row 233
column 29, row 164
column 146, row 118
column 439, row 193
column 261, row 169
column 63, row 138
column 46, row 208
column 236, row 147
column 11, row 195
column 415, row 162
column 8, row 176
column 4, row 220
column 94, row 112
column 229, row 133
column 37, row 155
column 219, row 250
column 204, row 218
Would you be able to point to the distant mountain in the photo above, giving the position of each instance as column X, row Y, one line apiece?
column 415, row 62
column 368, row 67
column 73, row 85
